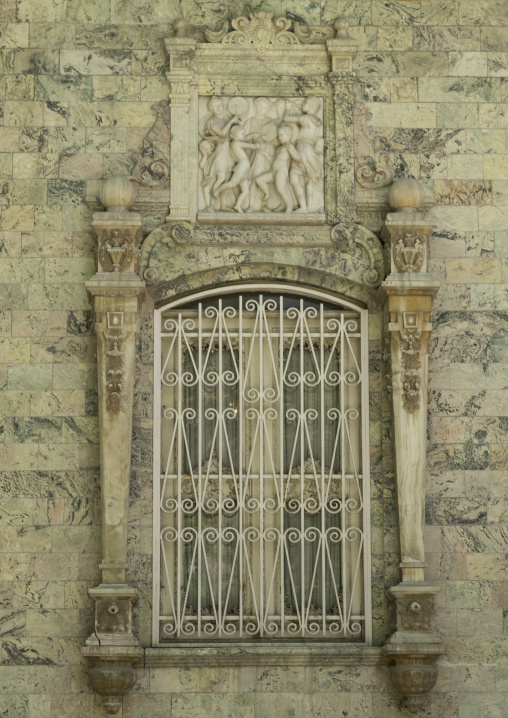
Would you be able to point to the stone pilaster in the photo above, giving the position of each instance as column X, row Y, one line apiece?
column 116, row 290
column 407, row 294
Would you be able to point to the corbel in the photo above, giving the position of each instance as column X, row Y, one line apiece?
column 116, row 289
column 407, row 294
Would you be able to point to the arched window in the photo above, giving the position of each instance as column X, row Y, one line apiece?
column 261, row 466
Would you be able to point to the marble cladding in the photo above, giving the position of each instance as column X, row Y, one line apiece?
column 78, row 86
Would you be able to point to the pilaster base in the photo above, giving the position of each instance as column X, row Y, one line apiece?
column 413, row 649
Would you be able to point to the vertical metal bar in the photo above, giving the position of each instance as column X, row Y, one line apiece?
column 323, row 461
column 281, row 463
column 302, row 472
column 342, row 392
column 365, row 484
column 220, row 429
column 199, row 537
column 261, row 471
column 240, row 463
column 157, row 448
column 179, row 459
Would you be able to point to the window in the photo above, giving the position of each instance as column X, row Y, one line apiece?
column 261, row 467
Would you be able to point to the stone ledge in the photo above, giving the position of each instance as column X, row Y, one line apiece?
column 272, row 654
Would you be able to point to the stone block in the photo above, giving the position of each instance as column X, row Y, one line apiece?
column 80, row 429
column 496, row 166
column 90, row 11
column 59, row 88
column 464, row 89
column 38, row 323
column 75, row 376
column 494, row 38
column 44, row 11
column 68, row 270
column 45, row 244
column 471, row 64
column 48, row 218
column 59, row 402
column 446, row 38
column 117, row 87
column 488, row 567
column 36, row 62
column 58, row 296
column 17, row 87
column 465, row 167
column 32, row 539
column 148, row 62
column 418, row 115
column 13, row 35
column 51, row 34
column 70, row 349
column 485, row 141
column 463, row 192
column 81, row 167
column 51, row 622
column 18, row 217
column 30, row 376
column 463, row 594
column 106, row 140
column 483, row 12
column 33, row 430
column 98, row 62
column 473, row 271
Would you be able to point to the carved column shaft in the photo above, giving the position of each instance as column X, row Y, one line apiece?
column 407, row 294
column 116, row 288
column 342, row 79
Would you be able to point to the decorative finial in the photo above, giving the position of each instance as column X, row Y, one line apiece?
column 118, row 194
column 406, row 195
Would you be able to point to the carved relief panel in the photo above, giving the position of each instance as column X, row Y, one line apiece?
column 261, row 124
column 261, row 154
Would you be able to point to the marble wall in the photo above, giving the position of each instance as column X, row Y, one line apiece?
column 79, row 83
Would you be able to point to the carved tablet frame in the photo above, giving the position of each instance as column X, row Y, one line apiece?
column 260, row 68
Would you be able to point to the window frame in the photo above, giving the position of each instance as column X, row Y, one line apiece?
column 298, row 290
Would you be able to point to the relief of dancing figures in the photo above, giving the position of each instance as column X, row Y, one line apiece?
column 261, row 155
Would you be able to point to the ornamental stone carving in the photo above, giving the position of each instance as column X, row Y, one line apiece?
column 261, row 154
column 408, row 252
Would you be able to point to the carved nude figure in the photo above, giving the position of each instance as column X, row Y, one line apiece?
column 261, row 129
column 279, row 172
column 217, row 129
column 206, row 149
column 242, row 166
column 305, row 174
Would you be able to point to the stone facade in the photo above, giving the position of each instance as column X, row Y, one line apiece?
column 83, row 93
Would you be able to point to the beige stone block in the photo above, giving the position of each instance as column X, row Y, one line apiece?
column 463, row 192
column 58, row 456
column 59, row 402
column 48, row 218
column 51, row 622
column 486, row 141
column 5, row 165
column 44, row 594
column 493, row 115
column 14, row 679
column 17, row 217
column 95, row 62
column 153, row 89
column 14, row 403
column 418, row 115
column 23, row 512
column 14, row 351
column 10, row 244
column 465, row 167
column 90, row 114
column 471, row 376
column 462, row 89
column 43, row 11
column 20, row 539
column 39, row 706
column 468, row 63
column 19, row 456
column 498, row 64
column 134, row 114
column 28, row 323
column 23, row 114
column 73, row 539
column 9, row 139
column 56, row 567
column 45, row 244
column 117, row 87
column 394, row 38
column 492, row 218
column 109, row 139
column 30, row 376
column 496, row 166
column 58, row 296
column 17, row 87
column 25, row 165
column 456, row 219
column 69, row 270
column 75, row 376
column 473, row 271
column 404, row 89
column 56, row 114
column 82, row 167
column 13, row 35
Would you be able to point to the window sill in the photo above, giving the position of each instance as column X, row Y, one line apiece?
column 240, row 654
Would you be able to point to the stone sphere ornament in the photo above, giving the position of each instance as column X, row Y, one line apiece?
column 118, row 194
column 406, row 195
